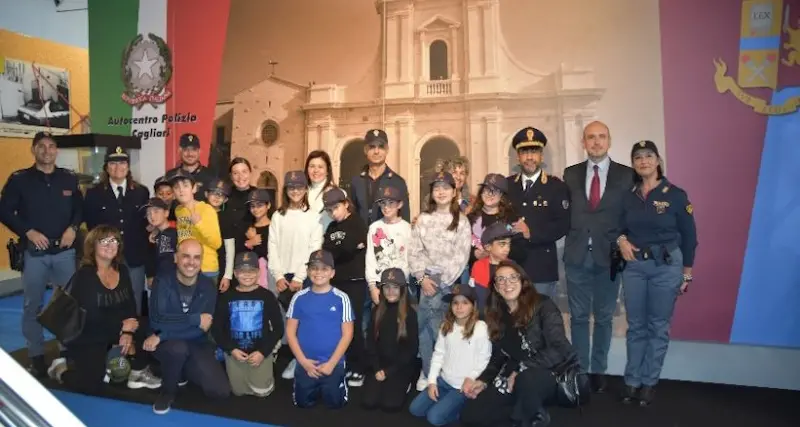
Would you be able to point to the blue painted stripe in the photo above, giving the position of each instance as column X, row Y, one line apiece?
column 760, row 43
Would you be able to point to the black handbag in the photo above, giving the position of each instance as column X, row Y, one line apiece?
column 62, row 315
column 574, row 389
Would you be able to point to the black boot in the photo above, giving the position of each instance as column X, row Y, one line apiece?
column 38, row 368
column 598, row 382
column 629, row 394
column 646, row 395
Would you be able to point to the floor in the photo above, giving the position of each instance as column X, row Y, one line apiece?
column 678, row 404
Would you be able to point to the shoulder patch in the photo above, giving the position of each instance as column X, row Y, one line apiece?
column 689, row 209
column 544, row 178
column 565, row 204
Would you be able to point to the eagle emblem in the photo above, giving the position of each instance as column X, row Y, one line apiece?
column 529, row 134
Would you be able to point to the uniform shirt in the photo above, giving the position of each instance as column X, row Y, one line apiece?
column 364, row 190
column 48, row 203
column 202, row 178
column 320, row 317
column 248, row 321
column 664, row 217
column 102, row 207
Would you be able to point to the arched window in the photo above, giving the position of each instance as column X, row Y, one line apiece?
column 431, row 155
column 351, row 161
column 438, row 61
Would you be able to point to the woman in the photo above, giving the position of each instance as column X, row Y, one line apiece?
column 102, row 287
column 319, row 172
column 529, row 345
column 236, row 208
column 658, row 241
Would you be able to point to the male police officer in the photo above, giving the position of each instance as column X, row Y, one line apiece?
column 42, row 205
column 190, row 163
column 543, row 204
column 366, row 187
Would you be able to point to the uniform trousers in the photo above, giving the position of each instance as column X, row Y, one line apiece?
column 38, row 271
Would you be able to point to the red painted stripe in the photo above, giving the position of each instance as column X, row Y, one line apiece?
column 196, row 34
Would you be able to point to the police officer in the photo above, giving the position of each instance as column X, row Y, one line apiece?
column 658, row 240
column 116, row 201
column 190, row 162
column 42, row 204
column 543, row 204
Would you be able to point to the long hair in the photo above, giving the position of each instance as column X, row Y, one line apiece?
column 450, row 319
column 99, row 233
column 106, row 180
column 455, row 210
column 286, row 201
column 319, row 154
column 505, row 210
column 496, row 307
column 403, row 306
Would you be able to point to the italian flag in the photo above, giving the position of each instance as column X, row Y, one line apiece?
column 177, row 42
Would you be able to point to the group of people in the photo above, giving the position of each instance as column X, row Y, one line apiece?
column 457, row 301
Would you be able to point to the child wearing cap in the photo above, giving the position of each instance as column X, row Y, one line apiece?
column 165, row 239
column 346, row 240
column 392, row 345
column 248, row 326
column 217, row 194
column 319, row 330
column 387, row 240
column 163, row 190
column 257, row 235
column 462, row 352
column 496, row 242
column 438, row 254
column 197, row 220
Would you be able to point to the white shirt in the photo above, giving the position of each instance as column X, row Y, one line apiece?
column 602, row 172
column 456, row 358
column 115, row 186
column 534, row 178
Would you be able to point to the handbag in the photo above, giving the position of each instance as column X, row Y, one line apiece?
column 62, row 315
column 573, row 385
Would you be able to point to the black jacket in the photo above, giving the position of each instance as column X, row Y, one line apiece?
column 386, row 353
column 101, row 207
column 347, row 242
column 360, row 194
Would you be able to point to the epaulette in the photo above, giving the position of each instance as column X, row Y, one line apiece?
column 516, row 179
column 544, row 178
column 633, row 189
column 665, row 189
column 19, row 171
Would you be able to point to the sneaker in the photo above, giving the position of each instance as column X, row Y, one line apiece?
column 355, row 380
column 143, row 379
column 288, row 373
column 422, row 382
column 182, row 383
column 163, row 404
column 58, row 367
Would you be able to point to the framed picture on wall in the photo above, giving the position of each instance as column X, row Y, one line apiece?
column 33, row 97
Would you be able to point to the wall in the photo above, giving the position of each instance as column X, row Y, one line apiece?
column 39, row 18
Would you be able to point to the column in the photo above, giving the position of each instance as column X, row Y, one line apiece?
column 573, row 146
column 391, row 53
column 489, row 39
column 478, row 158
column 312, row 138
column 474, row 39
column 493, row 152
column 395, row 145
column 405, row 137
column 424, row 67
column 406, row 48
column 454, row 66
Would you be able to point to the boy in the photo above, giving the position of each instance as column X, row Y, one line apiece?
column 319, row 329
column 248, row 326
column 163, row 190
column 165, row 239
column 496, row 241
column 197, row 220
column 217, row 195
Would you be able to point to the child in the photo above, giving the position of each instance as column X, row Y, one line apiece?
column 319, row 330
column 492, row 205
column 392, row 345
column 257, row 235
column 387, row 240
column 462, row 352
column 163, row 190
column 439, row 250
column 346, row 240
column 165, row 239
column 197, row 220
column 294, row 232
column 217, row 195
column 248, row 326
column 496, row 241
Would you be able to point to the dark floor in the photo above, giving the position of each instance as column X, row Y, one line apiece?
column 678, row 404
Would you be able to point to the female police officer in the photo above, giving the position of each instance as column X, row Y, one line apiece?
column 658, row 241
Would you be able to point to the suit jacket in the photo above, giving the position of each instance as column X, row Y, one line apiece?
column 370, row 212
column 601, row 225
column 101, row 207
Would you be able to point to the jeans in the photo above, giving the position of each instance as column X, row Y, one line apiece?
column 37, row 273
column 194, row 361
column 650, row 289
column 443, row 411
column 430, row 314
column 547, row 288
column 591, row 293
column 137, row 275
column 331, row 388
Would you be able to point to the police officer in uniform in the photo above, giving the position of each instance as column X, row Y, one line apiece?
column 42, row 204
column 116, row 201
column 658, row 241
column 190, row 163
column 543, row 204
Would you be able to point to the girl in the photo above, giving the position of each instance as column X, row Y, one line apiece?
column 295, row 232
column 462, row 352
column 257, row 236
column 346, row 240
column 392, row 345
column 439, row 250
column 217, row 195
column 319, row 172
column 387, row 240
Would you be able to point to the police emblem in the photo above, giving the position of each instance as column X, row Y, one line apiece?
column 376, row 132
column 246, row 257
column 146, row 71
column 529, row 134
column 661, row 206
column 565, row 204
column 390, row 276
column 689, row 209
column 119, row 150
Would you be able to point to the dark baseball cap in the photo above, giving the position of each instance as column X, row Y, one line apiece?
column 258, row 195
column 161, row 180
column 461, row 289
column 376, row 137
column 155, row 202
column 333, row 197
column 445, row 177
column 246, row 260
column 389, row 193
column 320, row 256
column 496, row 231
column 645, row 145
column 295, row 179
column 180, row 175
column 116, row 154
column 42, row 135
column 189, row 140
column 496, row 181
column 393, row 276
column 220, row 186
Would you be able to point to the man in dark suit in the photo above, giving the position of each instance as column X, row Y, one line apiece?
column 596, row 187
column 542, row 203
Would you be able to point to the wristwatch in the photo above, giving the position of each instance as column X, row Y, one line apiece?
column 687, row 278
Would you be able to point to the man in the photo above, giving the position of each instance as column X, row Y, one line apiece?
column 42, row 205
column 376, row 175
column 190, row 163
column 117, row 201
column 181, row 307
column 542, row 202
column 596, row 187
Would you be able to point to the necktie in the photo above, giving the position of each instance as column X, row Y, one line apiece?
column 528, row 184
column 594, row 190
column 119, row 193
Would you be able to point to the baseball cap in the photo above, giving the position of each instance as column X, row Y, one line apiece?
column 393, row 276
column 220, row 186
column 162, row 180
column 461, row 289
column 496, row 231
column 180, row 175
column 320, row 256
column 332, row 197
column 390, row 193
column 445, row 177
column 155, row 202
column 295, row 179
column 496, row 181
column 258, row 195
column 246, row 260
column 645, row 145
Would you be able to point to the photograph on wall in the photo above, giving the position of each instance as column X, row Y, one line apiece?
column 33, row 97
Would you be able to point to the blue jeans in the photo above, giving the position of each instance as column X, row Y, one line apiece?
column 430, row 314
column 591, row 293
column 37, row 273
column 332, row 388
column 443, row 411
column 546, row 288
column 137, row 275
column 650, row 289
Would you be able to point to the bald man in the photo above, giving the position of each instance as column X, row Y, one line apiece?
column 596, row 188
column 181, row 311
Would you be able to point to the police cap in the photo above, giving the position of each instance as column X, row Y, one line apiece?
column 529, row 137
column 645, row 145
column 376, row 137
column 189, row 140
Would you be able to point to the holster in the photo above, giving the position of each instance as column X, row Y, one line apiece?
column 16, row 254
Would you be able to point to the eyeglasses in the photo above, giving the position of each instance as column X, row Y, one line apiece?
column 512, row 279
column 108, row 241
column 492, row 192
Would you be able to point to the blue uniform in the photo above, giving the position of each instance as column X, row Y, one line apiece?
column 662, row 226
column 320, row 317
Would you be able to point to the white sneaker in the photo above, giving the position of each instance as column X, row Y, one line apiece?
column 288, row 373
column 355, row 380
column 422, row 382
column 57, row 367
column 143, row 379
